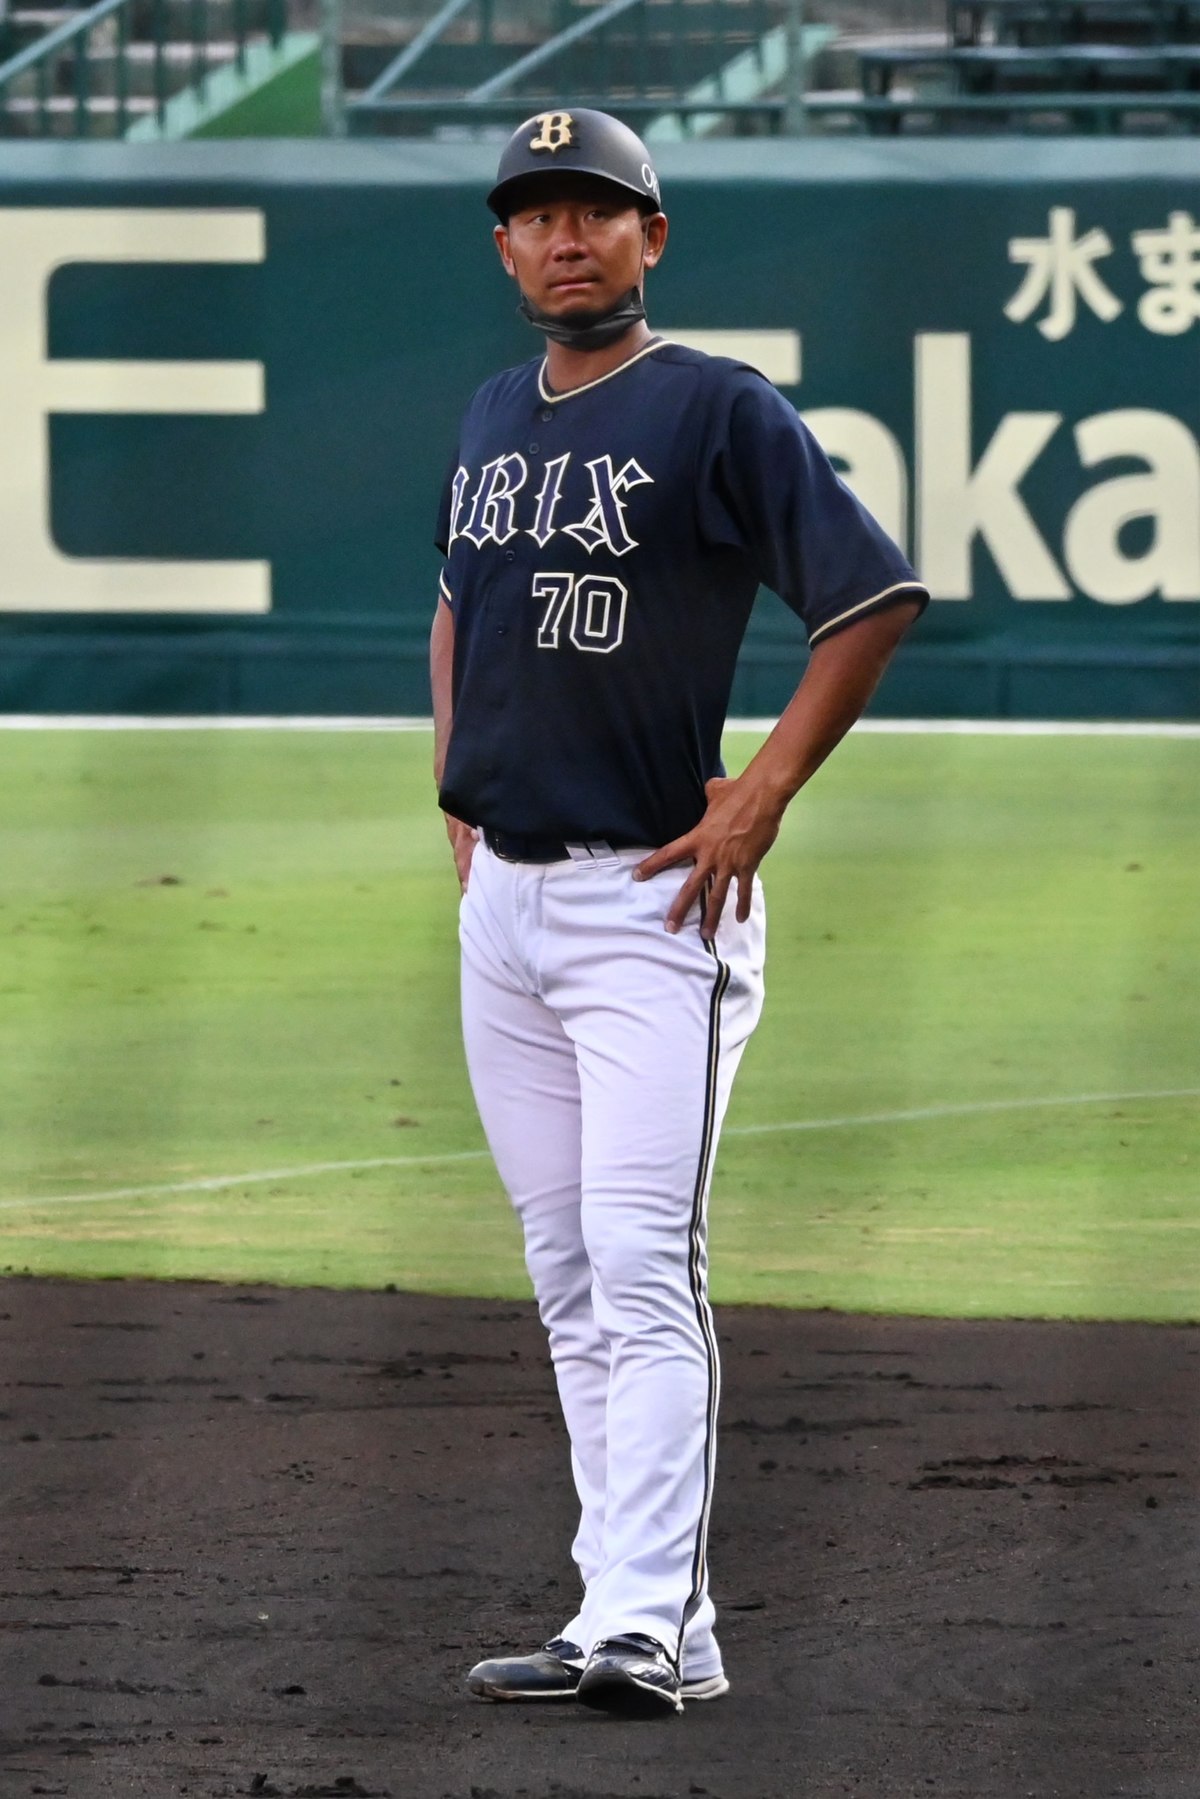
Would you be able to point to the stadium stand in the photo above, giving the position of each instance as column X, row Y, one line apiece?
column 673, row 68
column 120, row 68
column 1068, row 65
column 705, row 67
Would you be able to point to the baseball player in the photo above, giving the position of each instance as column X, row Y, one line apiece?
column 610, row 513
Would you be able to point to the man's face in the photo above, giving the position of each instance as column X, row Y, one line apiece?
column 578, row 244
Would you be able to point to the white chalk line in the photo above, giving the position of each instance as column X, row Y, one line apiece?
column 217, row 1183
column 933, row 727
column 973, row 1108
column 69, row 721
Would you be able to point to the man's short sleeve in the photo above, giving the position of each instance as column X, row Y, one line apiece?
column 768, row 489
column 445, row 519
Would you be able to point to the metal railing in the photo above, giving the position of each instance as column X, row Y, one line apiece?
column 121, row 60
column 641, row 58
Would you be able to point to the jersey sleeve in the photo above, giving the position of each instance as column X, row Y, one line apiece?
column 768, row 489
column 441, row 536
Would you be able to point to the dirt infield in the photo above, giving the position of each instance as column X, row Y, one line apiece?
column 252, row 1539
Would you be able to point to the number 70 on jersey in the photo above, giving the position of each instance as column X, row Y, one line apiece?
column 589, row 608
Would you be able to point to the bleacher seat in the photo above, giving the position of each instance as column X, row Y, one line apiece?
column 1087, row 65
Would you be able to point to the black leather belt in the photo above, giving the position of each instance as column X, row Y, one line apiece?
column 512, row 848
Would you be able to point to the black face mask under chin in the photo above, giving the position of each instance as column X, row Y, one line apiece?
column 587, row 330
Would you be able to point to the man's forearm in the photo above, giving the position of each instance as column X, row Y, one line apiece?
column 441, row 680
column 842, row 674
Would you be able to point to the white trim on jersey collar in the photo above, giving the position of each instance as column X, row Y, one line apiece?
column 553, row 399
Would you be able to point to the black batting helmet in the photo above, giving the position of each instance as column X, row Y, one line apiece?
column 581, row 143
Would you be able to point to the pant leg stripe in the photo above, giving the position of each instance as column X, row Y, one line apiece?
column 696, row 1246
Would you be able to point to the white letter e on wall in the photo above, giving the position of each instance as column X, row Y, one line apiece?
column 35, row 575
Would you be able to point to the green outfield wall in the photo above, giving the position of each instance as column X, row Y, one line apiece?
column 230, row 376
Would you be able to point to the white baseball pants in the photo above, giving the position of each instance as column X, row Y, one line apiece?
column 602, row 1051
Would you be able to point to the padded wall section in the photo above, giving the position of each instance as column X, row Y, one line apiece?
column 232, row 376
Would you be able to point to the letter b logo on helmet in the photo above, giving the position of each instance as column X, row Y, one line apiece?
column 554, row 131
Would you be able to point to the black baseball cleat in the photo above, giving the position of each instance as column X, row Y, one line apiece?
column 552, row 1672
column 631, row 1677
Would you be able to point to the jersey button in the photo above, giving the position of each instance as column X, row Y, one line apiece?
column 510, row 555
column 533, row 449
column 547, row 415
column 501, row 630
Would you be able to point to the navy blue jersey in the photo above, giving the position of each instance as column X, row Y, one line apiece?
column 604, row 549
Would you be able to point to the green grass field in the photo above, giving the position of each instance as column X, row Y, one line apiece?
column 232, row 954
